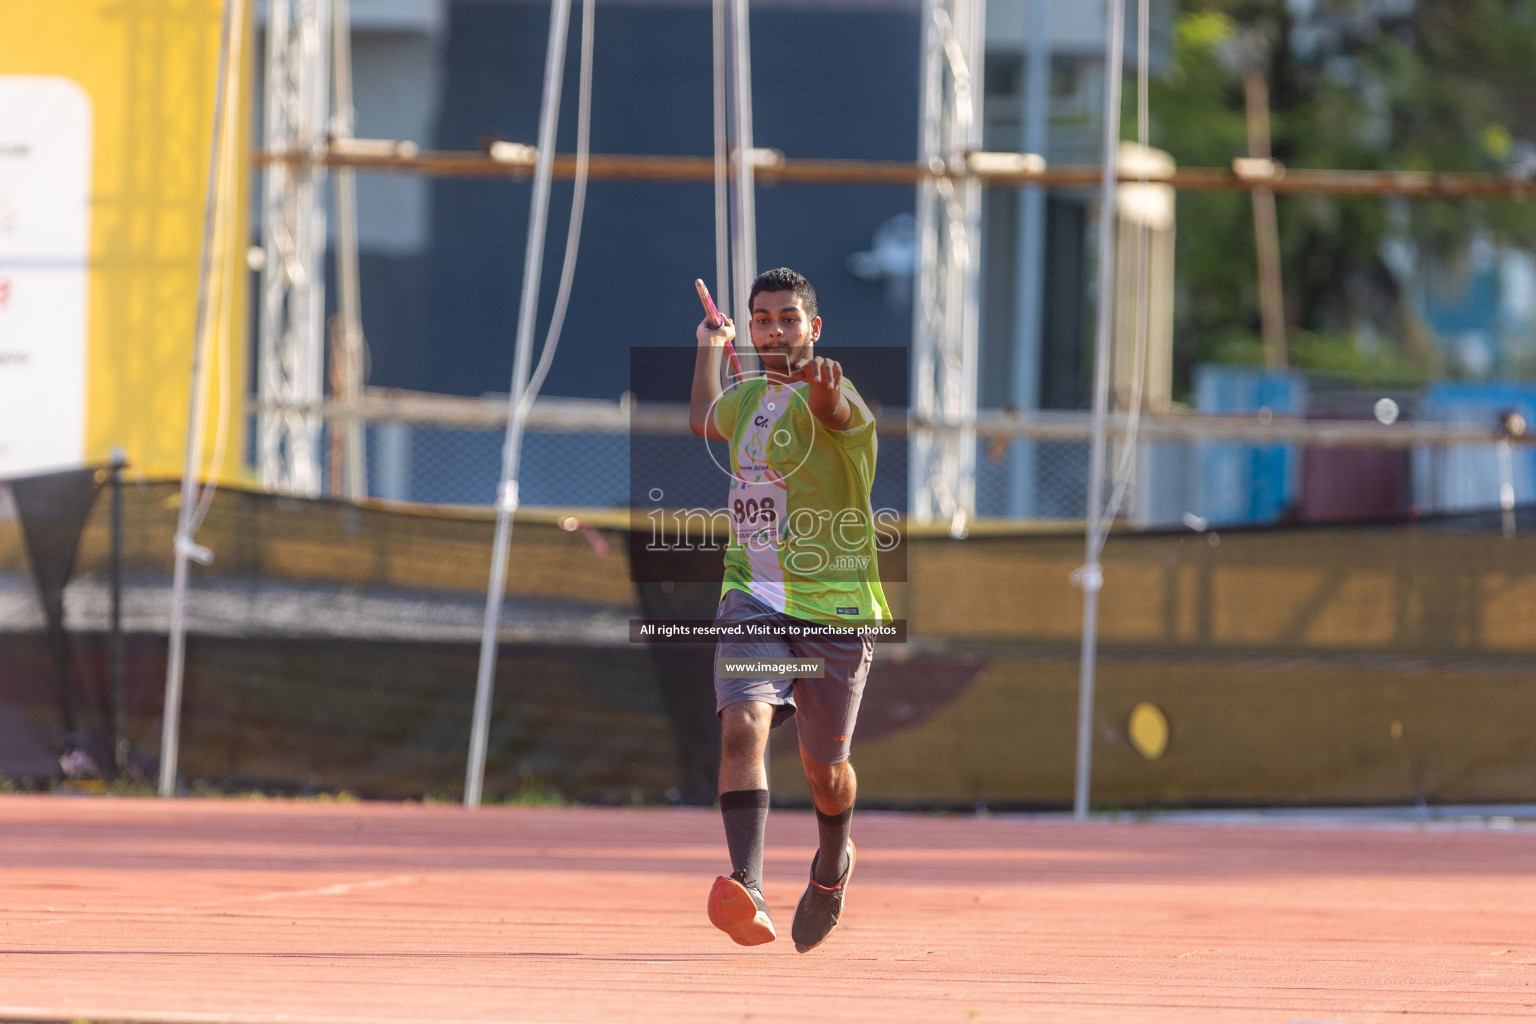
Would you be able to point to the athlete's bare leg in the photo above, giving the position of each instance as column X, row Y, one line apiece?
column 743, row 739
column 833, row 786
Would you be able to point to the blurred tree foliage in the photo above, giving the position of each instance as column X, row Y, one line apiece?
column 1431, row 85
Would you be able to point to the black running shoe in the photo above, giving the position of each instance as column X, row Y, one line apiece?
column 739, row 910
column 820, row 907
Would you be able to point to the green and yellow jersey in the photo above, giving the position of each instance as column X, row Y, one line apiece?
column 804, row 540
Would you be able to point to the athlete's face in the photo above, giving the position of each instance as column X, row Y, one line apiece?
column 782, row 333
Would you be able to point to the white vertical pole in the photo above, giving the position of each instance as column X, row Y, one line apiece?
column 722, row 162
column 1091, row 576
column 1025, row 390
column 946, row 313
column 1507, row 487
column 963, row 350
column 278, row 259
column 745, row 208
column 184, row 547
column 291, row 335
column 925, row 286
column 512, row 447
column 349, row 287
column 309, row 360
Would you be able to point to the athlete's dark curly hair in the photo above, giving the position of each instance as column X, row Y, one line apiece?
column 782, row 279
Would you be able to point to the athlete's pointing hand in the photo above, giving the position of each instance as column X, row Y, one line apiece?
column 822, row 373
column 825, row 394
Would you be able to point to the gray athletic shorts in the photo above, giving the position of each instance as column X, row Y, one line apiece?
column 824, row 709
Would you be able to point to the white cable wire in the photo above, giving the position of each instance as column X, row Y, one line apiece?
column 217, row 338
column 1143, row 281
column 511, row 450
column 186, row 550
column 578, row 206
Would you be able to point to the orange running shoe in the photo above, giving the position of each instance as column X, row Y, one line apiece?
column 740, row 911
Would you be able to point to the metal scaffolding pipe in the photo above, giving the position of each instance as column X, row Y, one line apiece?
column 1243, row 177
column 393, row 405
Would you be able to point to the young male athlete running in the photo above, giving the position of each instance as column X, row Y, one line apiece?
column 802, row 557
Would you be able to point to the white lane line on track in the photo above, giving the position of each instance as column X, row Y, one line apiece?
column 37, row 1014
column 339, row 889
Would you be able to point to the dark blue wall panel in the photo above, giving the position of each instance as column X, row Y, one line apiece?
column 826, row 84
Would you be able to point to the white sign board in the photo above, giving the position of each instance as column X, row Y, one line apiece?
column 45, row 193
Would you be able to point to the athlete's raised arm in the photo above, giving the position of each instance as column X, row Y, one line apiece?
column 706, row 378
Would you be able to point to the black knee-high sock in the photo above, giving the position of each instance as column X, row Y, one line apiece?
column 746, row 820
column 832, row 856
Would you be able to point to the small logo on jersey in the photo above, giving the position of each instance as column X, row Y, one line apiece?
column 847, row 611
column 841, row 739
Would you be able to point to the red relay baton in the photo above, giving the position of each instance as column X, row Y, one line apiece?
column 716, row 320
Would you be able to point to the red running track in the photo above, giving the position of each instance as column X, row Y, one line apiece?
column 202, row 911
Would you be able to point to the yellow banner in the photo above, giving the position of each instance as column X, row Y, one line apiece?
column 143, row 76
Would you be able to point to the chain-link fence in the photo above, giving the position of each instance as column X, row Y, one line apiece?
column 456, row 466
column 1259, row 448
column 1169, row 481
